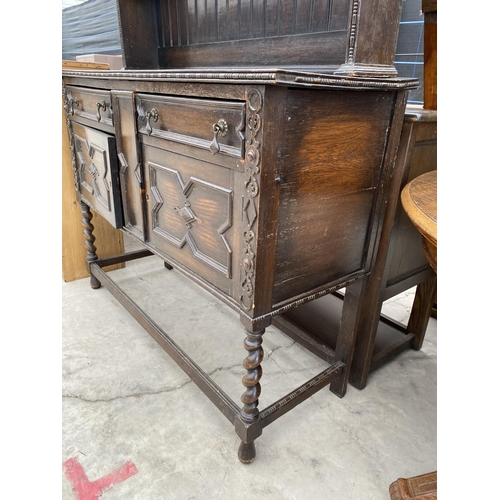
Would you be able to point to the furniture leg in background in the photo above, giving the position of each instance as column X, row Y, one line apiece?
column 404, row 264
column 419, row 200
column 423, row 487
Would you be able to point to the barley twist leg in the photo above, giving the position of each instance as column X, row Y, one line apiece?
column 88, row 233
column 250, row 398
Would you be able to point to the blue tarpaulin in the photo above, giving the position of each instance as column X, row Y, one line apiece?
column 92, row 28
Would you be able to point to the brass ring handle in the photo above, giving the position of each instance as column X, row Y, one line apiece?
column 219, row 128
column 153, row 114
column 100, row 105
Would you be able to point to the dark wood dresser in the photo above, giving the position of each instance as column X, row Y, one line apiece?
column 250, row 146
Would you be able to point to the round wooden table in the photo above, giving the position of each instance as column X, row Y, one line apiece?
column 419, row 201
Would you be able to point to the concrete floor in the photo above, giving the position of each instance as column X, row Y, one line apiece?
column 133, row 418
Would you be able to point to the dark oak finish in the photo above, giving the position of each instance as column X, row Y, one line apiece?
column 350, row 37
column 345, row 184
column 139, row 28
column 267, row 187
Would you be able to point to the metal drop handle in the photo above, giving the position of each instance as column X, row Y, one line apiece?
column 153, row 114
column 219, row 128
column 70, row 104
column 100, row 105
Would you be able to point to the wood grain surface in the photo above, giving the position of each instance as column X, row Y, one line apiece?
column 419, row 200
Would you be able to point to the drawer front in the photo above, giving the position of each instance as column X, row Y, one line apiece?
column 89, row 104
column 211, row 125
column 97, row 170
column 190, row 214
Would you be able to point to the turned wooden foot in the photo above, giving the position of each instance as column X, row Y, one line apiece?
column 88, row 233
column 246, row 452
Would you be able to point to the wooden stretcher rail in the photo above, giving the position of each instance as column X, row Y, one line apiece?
column 292, row 399
column 221, row 400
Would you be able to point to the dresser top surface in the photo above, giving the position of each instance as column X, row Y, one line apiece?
column 266, row 76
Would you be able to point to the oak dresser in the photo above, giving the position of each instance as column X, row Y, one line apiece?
column 249, row 145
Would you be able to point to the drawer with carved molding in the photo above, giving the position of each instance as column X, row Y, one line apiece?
column 214, row 126
column 90, row 107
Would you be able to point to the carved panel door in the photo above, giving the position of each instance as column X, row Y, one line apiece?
column 97, row 170
column 190, row 208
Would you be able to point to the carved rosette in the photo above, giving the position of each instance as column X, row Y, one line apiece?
column 250, row 197
column 68, row 108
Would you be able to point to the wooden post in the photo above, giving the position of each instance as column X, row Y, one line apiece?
column 429, row 8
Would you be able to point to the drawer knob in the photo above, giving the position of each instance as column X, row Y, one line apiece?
column 100, row 105
column 220, row 128
column 153, row 114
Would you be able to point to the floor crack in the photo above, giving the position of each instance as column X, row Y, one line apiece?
column 169, row 389
column 269, row 354
column 220, row 368
column 136, row 395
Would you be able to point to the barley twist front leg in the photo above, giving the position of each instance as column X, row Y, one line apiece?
column 88, row 233
column 250, row 398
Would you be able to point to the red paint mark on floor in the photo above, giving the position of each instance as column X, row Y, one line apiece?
column 92, row 490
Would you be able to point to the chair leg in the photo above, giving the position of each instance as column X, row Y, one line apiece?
column 421, row 311
column 349, row 326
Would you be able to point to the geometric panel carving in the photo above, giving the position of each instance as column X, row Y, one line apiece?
column 194, row 214
column 93, row 168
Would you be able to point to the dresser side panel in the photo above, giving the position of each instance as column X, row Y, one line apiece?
column 332, row 159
